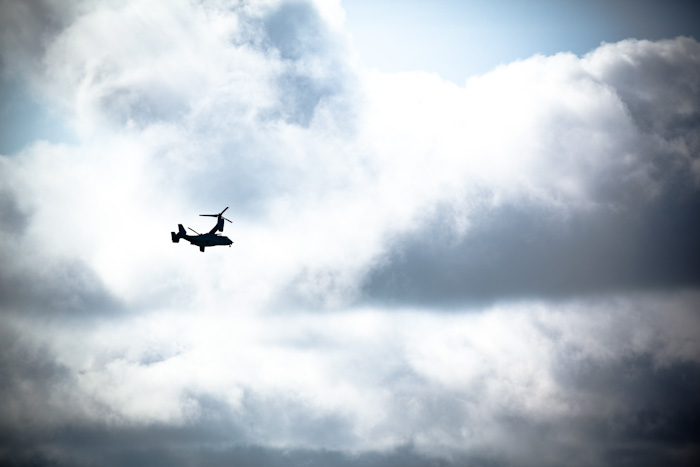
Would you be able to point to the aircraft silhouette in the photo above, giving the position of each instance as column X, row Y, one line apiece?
column 207, row 239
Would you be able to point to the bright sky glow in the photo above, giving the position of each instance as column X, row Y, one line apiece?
column 459, row 38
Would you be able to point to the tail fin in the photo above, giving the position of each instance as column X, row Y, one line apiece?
column 180, row 233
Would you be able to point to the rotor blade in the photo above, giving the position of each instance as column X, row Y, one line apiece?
column 194, row 231
column 226, row 219
column 223, row 211
column 209, row 215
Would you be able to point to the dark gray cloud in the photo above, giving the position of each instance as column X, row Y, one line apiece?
column 14, row 219
column 660, row 87
column 519, row 251
column 63, row 289
column 26, row 29
column 58, row 288
column 628, row 411
column 651, row 403
column 636, row 411
column 99, row 447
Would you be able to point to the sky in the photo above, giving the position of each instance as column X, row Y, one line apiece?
column 465, row 233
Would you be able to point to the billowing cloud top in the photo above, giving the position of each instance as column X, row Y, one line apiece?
column 504, row 272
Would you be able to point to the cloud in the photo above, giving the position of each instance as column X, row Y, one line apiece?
column 595, row 192
column 229, row 109
column 540, row 384
column 522, row 249
column 27, row 28
column 548, row 206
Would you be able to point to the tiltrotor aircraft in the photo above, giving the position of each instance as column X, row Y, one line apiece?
column 207, row 239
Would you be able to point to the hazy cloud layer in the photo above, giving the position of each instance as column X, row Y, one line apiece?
column 500, row 273
column 522, row 384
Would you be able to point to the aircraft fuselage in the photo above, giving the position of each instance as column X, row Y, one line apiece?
column 202, row 240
